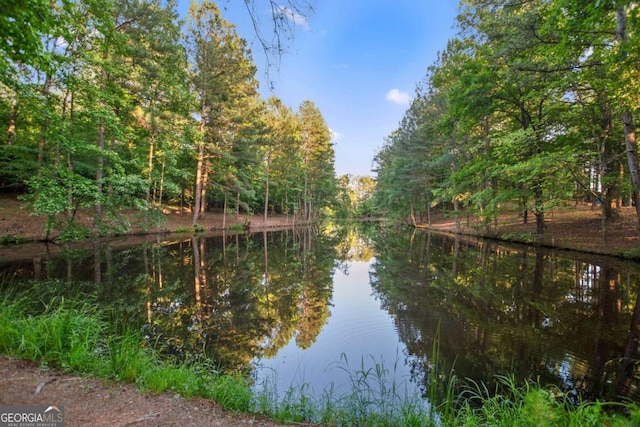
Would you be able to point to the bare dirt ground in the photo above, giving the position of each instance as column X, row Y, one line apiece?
column 15, row 220
column 578, row 228
column 95, row 402
column 101, row 403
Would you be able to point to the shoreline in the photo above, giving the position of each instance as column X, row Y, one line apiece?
column 578, row 228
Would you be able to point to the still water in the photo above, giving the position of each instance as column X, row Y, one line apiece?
column 318, row 308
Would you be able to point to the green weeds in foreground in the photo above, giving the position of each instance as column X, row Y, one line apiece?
column 372, row 396
column 532, row 405
column 75, row 337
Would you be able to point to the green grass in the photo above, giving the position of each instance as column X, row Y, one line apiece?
column 521, row 237
column 532, row 405
column 236, row 227
column 10, row 239
column 77, row 337
column 631, row 254
column 373, row 396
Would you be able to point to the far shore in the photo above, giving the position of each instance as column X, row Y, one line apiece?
column 577, row 228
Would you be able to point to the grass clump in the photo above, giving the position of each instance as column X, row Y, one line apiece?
column 76, row 337
column 373, row 396
column 237, row 227
column 11, row 239
column 533, row 405
column 631, row 254
column 522, row 237
column 197, row 228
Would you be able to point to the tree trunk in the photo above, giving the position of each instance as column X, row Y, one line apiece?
column 100, row 166
column 161, row 189
column 43, row 130
column 224, row 213
column 152, row 141
column 69, row 164
column 11, row 131
column 197, row 196
column 205, row 180
column 266, row 188
column 539, row 207
column 627, row 120
column 100, row 169
column 427, row 197
column 632, row 158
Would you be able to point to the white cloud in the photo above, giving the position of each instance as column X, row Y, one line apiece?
column 335, row 136
column 398, row 97
column 298, row 19
column 340, row 66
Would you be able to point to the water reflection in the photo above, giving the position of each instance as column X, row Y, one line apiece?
column 533, row 313
column 225, row 298
column 297, row 303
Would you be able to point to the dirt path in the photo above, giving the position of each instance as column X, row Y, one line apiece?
column 101, row 403
column 15, row 220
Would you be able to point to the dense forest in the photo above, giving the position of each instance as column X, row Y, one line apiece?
column 122, row 104
column 531, row 107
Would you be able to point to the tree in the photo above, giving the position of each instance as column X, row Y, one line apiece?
column 223, row 77
column 112, row 105
column 285, row 16
column 282, row 134
column 518, row 111
column 319, row 187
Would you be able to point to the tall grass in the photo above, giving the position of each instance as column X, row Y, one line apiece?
column 374, row 395
column 530, row 404
column 76, row 337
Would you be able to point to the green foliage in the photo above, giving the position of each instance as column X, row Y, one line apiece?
column 75, row 232
column 532, row 405
column 182, row 230
column 518, row 237
column 149, row 219
column 197, row 228
column 22, row 25
column 632, row 253
column 521, row 108
column 10, row 239
column 232, row 392
column 100, row 98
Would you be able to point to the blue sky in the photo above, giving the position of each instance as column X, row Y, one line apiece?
column 358, row 61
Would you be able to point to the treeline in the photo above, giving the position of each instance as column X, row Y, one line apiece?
column 532, row 106
column 116, row 104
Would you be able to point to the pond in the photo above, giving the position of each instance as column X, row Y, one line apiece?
column 321, row 309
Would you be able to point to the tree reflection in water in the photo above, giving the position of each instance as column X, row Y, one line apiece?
column 538, row 314
column 563, row 318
